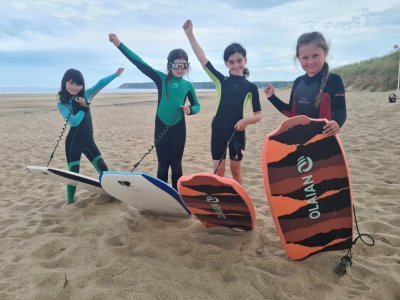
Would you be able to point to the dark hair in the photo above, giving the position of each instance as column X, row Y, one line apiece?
column 76, row 77
column 236, row 48
column 318, row 40
column 172, row 56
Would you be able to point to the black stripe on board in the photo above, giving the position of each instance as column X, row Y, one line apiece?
column 319, row 150
column 322, row 239
column 223, row 199
column 346, row 244
column 328, row 204
column 211, row 189
column 299, row 134
column 76, row 178
column 320, row 188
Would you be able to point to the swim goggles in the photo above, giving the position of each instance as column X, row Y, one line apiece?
column 177, row 65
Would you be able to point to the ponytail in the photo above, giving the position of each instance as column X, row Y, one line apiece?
column 324, row 80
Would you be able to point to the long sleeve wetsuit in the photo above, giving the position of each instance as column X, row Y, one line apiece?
column 80, row 136
column 171, row 96
column 302, row 98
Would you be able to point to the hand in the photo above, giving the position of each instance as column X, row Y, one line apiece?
column 186, row 109
column 188, row 26
column 331, row 128
column 241, row 125
column 113, row 38
column 269, row 90
column 119, row 71
column 81, row 101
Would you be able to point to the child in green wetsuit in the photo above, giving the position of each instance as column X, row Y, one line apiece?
column 173, row 91
column 74, row 106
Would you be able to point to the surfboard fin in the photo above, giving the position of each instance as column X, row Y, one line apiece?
column 344, row 266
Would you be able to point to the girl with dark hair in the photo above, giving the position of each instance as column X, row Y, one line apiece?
column 234, row 92
column 74, row 106
column 318, row 93
column 170, row 124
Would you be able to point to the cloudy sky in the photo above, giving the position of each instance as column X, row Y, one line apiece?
column 41, row 39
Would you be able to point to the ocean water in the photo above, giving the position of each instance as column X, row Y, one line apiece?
column 49, row 90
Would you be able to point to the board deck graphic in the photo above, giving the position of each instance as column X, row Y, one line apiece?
column 144, row 192
column 217, row 201
column 67, row 177
column 308, row 188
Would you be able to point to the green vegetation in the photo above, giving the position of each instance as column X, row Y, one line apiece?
column 376, row 74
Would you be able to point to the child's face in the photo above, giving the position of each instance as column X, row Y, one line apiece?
column 72, row 88
column 311, row 58
column 179, row 67
column 236, row 64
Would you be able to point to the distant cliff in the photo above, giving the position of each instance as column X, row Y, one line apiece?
column 201, row 85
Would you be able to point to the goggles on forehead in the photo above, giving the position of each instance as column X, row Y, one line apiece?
column 177, row 65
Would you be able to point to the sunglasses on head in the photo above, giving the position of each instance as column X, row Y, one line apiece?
column 177, row 65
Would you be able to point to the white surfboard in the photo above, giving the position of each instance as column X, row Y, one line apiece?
column 67, row 177
column 144, row 192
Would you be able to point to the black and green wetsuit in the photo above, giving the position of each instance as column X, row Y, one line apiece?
column 233, row 92
column 80, row 136
column 171, row 146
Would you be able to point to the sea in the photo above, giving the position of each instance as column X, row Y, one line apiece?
column 49, row 90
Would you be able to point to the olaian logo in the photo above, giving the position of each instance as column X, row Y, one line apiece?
column 214, row 202
column 304, row 165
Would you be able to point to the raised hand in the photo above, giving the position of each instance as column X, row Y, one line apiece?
column 113, row 38
column 119, row 71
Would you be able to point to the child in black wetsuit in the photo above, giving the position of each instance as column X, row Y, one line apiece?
column 234, row 92
column 318, row 93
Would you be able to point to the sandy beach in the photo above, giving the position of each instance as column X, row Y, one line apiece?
column 101, row 248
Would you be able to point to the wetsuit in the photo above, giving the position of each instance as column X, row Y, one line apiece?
column 234, row 92
column 170, row 126
column 80, row 136
column 302, row 98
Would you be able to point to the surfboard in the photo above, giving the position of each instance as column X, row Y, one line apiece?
column 307, row 183
column 217, row 201
column 144, row 192
column 67, row 177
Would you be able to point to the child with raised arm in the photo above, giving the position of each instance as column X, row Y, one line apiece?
column 318, row 93
column 173, row 91
column 234, row 91
column 74, row 106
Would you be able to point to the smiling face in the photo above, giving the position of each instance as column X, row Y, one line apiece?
column 73, row 88
column 179, row 67
column 236, row 64
column 311, row 58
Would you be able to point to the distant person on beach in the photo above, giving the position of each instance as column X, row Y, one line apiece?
column 173, row 91
column 318, row 93
column 74, row 106
column 234, row 91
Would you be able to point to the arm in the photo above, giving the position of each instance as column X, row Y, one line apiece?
column 194, row 106
column 66, row 113
column 188, row 28
column 90, row 93
column 153, row 74
column 338, row 106
column 256, row 117
column 283, row 107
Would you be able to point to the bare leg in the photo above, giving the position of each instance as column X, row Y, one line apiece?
column 221, row 168
column 236, row 170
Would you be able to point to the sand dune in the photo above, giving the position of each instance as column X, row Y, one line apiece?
column 100, row 248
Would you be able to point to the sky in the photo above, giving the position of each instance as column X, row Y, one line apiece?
column 40, row 40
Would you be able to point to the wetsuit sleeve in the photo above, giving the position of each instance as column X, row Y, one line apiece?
column 339, row 112
column 215, row 76
column 90, row 93
column 194, row 102
column 283, row 107
column 255, row 99
column 153, row 74
column 73, row 120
